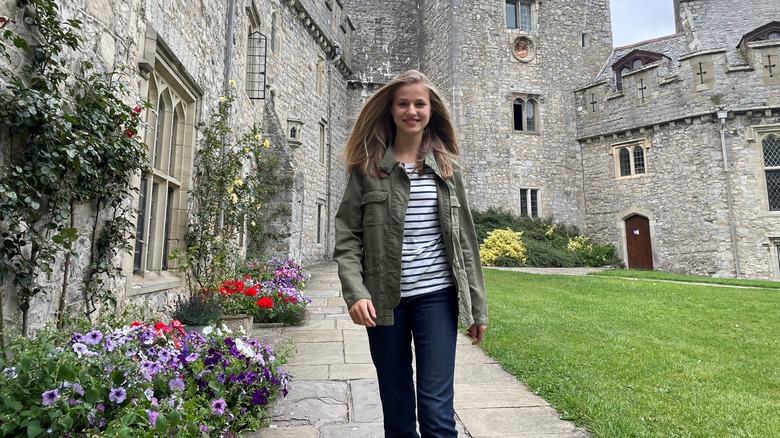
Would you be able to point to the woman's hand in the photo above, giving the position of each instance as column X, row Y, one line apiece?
column 475, row 332
column 363, row 313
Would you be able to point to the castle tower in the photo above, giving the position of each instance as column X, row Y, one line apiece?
column 508, row 70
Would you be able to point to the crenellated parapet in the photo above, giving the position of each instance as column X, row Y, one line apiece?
column 329, row 26
column 661, row 81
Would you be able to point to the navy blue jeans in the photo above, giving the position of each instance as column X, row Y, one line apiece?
column 431, row 321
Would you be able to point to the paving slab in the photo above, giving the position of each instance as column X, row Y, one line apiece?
column 318, row 353
column 352, row 371
column 516, row 422
column 313, row 403
column 308, row 372
column 302, row 336
column 285, row 432
column 366, row 407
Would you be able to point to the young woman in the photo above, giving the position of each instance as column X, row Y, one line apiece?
column 407, row 252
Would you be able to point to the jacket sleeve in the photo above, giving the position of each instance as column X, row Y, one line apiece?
column 471, row 260
column 348, row 250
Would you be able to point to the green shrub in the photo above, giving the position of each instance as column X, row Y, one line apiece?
column 543, row 255
column 503, row 248
column 200, row 309
column 548, row 244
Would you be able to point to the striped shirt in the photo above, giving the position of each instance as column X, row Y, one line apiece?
column 424, row 266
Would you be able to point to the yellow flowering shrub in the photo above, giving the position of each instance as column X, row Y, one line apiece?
column 503, row 248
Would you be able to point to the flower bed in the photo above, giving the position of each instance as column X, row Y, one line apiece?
column 138, row 381
column 270, row 292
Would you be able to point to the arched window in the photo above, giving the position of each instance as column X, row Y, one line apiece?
column 158, row 133
column 173, row 144
column 524, row 114
column 773, row 36
column 530, row 115
column 518, row 114
column 639, row 160
column 636, row 64
column 630, row 159
column 625, row 162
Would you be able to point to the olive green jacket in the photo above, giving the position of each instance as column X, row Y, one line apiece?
column 369, row 238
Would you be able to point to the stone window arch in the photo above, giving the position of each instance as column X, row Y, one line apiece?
column 525, row 111
column 630, row 158
column 633, row 60
column 162, row 202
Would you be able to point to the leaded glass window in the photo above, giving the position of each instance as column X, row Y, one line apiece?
column 625, row 162
column 639, row 160
column 529, row 202
column 771, row 147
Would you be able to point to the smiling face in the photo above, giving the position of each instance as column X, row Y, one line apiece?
column 411, row 109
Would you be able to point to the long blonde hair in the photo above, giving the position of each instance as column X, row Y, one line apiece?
column 375, row 130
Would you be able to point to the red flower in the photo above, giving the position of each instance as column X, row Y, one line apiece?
column 265, row 303
column 135, row 324
column 136, row 110
column 176, row 324
column 252, row 291
column 246, row 276
column 286, row 300
column 129, row 133
column 293, row 300
column 161, row 327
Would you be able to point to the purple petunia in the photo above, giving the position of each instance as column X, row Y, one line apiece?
column 117, row 395
column 50, row 397
column 221, row 378
column 176, row 384
column 93, row 337
column 260, row 397
column 80, row 349
column 218, row 406
column 153, row 416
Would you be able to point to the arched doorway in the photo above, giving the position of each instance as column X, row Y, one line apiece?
column 638, row 244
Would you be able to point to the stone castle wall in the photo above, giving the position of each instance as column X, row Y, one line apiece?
column 498, row 159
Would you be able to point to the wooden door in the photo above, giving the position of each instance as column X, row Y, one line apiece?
column 638, row 245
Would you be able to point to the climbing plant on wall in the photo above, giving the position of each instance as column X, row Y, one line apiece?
column 68, row 139
column 235, row 176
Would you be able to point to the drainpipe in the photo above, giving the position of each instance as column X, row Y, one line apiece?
column 231, row 26
column 722, row 114
column 231, row 29
column 329, row 195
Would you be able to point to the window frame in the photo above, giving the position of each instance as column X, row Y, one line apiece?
column 518, row 6
column 529, row 120
column 162, row 198
column 529, row 202
column 771, row 169
column 632, row 153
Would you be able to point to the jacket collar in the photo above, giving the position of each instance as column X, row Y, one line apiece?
column 389, row 162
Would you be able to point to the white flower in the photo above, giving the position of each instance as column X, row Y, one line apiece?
column 207, row 330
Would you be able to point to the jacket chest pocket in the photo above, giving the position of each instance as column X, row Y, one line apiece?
column 455, row 214
column 374, row 207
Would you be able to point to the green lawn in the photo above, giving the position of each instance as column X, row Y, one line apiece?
column 641, row 358
column 687, row 278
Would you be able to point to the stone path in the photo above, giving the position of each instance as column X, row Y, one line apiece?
column 334, row 394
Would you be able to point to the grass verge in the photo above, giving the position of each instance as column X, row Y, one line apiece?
column 641, row 358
